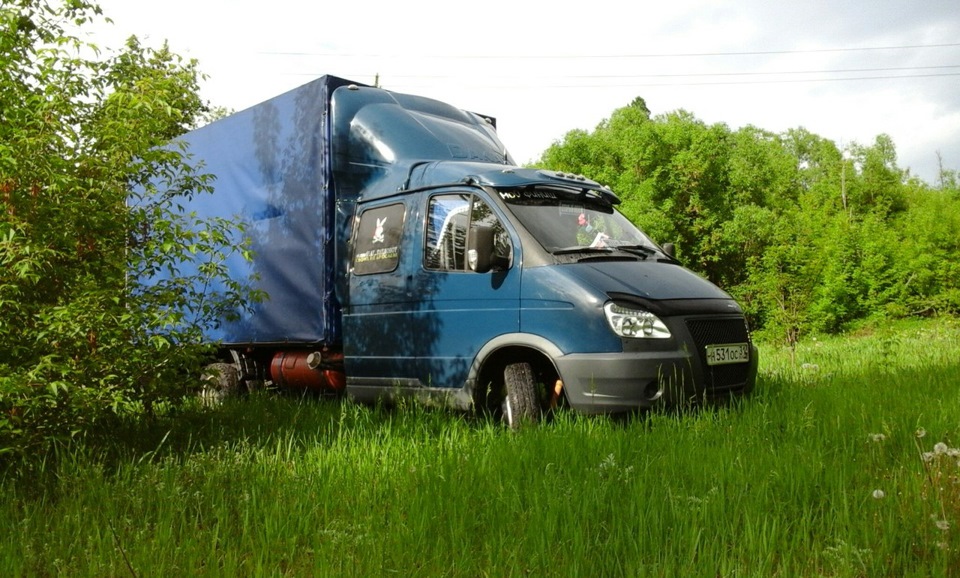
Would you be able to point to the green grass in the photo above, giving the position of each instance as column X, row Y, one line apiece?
column 780, row 485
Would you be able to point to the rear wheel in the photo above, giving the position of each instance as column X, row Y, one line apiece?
column 520, row 401
column 218, row 381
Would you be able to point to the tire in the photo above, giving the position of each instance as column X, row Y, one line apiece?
column 217, row 382
column 520, row 400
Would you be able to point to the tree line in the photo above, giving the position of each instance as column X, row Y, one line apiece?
column 808, row 236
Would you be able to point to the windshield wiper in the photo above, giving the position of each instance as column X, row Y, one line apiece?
column 599, row 254
column 640, row 250
column 571, row 250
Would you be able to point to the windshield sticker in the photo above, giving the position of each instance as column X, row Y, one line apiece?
column 517, row 195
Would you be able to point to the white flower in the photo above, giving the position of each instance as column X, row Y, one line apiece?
column 940, row 448
column 878, row 494
column 608, row 463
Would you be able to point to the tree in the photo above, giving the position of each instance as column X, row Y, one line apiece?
column 820, row 165
column 786, row 276
column 83, row 340
column 879, row 185
column 807, row 237
column 684, row 181
column 946, row 178
column 927, row 254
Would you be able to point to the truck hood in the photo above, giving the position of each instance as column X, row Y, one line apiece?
column 646, row 279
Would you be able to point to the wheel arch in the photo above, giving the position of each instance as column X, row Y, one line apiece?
column 486, row 373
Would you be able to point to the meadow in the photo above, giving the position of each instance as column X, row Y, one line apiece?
column 842, row 463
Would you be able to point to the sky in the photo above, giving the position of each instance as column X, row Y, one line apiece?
column 847, row 70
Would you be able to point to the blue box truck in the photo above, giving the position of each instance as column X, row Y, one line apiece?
column 405, row 254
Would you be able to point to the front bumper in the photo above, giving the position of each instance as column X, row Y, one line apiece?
column 628, row 381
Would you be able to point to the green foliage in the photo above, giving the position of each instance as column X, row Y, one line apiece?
column 808, row 237
column 83, row 340
column 928, row 278
column 786, row 275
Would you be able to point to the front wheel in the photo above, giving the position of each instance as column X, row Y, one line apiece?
column 520, row 403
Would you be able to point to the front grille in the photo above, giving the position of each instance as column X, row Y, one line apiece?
column 715, row 332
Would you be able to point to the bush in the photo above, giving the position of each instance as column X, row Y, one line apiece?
column 83, row 339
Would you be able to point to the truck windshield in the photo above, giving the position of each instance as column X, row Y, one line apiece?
column 569, row 222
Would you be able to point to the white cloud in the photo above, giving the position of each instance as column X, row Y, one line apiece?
column 542, row 70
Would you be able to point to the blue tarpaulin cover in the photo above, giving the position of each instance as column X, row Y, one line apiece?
column 272, row 167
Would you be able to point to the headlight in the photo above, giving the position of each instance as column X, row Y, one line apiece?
column 635, row 323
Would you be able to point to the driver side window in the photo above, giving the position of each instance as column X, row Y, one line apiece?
column 449, row 218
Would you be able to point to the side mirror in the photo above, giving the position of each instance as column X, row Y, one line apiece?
column 670, row 250
column 482, row 252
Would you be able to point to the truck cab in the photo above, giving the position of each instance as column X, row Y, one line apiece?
column 514, row 289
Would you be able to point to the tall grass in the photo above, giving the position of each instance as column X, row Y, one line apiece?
column 821, row 473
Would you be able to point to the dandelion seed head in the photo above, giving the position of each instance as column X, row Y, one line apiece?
column 928, row 456
column 877, row 437
column 940, row 448
column 920, row 432
column 943, row 525
column 878, row 494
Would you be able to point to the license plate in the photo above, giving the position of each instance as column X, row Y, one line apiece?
column 728, row 353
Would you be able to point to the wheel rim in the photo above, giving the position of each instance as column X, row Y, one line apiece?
column 508, row 411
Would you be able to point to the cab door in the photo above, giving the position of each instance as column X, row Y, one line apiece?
column 379, row 336
column 458, row 310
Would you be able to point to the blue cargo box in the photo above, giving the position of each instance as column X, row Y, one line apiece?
column 272, row 169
